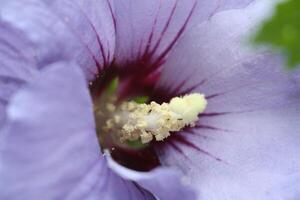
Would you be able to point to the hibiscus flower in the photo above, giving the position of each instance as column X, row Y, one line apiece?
column 67, row 68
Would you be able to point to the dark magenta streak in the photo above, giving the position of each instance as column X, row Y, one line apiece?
column 190, row 89
column 177, row 148
column 112, row 15
column 184, row 141
column 164, row 29
column 191, row 131
column 97, row 36
column 214, row 114
column 199, row 126
column 180, row 32
column 145, row 55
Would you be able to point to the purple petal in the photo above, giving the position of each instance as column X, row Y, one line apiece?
column 251, row 122
column 49, row 145
column 16, row 64
column 17, row 54
column 164, row 183
column 41, row 29
column 73, row 27
column 114, row 187
column 102, row 182
column 207, row 9
column 49, row 149
column 288, row 189
column 91, row 22
column 147, row 29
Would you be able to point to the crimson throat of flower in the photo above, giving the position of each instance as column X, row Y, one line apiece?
column 130, row 128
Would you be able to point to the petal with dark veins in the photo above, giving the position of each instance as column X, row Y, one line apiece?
column 82, row 30
column 49, row 149
column 251, row 122
column 146, row 30
column 92, row 24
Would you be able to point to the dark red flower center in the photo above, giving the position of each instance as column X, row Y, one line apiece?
column 138, row 78
column 133, row 82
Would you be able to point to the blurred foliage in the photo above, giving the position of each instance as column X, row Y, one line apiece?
column 282, row 31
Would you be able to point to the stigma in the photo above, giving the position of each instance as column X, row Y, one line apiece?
column 131, row 121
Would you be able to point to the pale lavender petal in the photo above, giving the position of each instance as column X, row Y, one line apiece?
column 163, row 182
column 48, row 144
column 207, row 9
column 251, row 122
column 8, row 86
column 16, row 64
column 146, row 30
column 220, row 5
column 289, row 189
column 48, row 147
column 102, row 182
column 92, row 24
column 232, row 4
column 82, row 30
column 42, row 31
column 17, row 54
column 114, row 187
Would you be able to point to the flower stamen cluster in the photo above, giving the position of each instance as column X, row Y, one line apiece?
column 132, row 121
